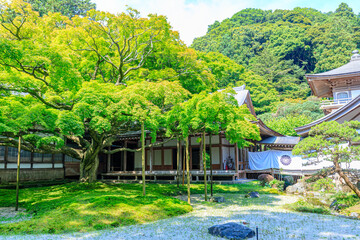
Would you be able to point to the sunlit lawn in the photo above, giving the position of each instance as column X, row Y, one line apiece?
column 79, row 207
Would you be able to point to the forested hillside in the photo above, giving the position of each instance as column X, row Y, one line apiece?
column 278, row 47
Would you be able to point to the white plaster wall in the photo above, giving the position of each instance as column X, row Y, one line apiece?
column 194, row 141
column 172, row 143
column 215, row 139
column 22, row 165
column 137, row 160
column 58, row 165
column 157, row 157
column 355, row 93
column 167, row 157
column 215, row 155
column 224, row 141
column 42, row 165
column 228, row 151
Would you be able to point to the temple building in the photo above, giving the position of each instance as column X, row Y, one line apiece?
column 341, row 87
column 229, row 162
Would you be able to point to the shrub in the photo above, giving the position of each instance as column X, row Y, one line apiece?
column 347, row 199
column 277, row 184
column 309, row 205
column 324, row 183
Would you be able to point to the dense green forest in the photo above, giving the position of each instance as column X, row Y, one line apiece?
column 277, row 48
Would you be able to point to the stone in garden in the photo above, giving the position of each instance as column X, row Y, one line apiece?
column 289, row 180
column 217, row 199
column 232, row 231
column 296, row 188
column 254, row 195
column 265, row 178
column 336, row 206
column 354, row 214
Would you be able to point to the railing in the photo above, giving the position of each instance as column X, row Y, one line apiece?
column 335, row 102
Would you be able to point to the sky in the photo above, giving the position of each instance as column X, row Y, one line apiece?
column 191, row 18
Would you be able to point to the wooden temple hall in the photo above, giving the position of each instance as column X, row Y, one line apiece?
column 229, row 162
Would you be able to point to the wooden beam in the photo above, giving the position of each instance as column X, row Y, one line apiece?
column 236, row 159
column 190, row 149
column 162, row 155
column 220, row 153
column 108, row 161
column 125, row 156
column 151, row 162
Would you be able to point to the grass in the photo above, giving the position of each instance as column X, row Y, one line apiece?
column 80, row 207
column 311, row 205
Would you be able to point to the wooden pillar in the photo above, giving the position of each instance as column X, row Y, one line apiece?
column 108, row 160
column 190, row 149
column 236, row 159
column 181, row 154
column 201, row 155
column 6, row 152
column 162, row 155
column 220, row 153
column 151, row 158
column 32, row 161
column 125, row 156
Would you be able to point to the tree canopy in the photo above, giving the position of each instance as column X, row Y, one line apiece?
column 282, row 45
column 73, row 85
column 68, row 8
column 332, row 141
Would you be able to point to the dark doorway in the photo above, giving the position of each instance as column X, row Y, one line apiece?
column 174, row 159
column 130, row 157
column 116, row 162
column 195, row 157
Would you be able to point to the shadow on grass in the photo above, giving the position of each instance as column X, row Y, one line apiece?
column 87, row 207
column 272, row 225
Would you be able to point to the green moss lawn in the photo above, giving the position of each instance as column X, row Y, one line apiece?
column 80, row 207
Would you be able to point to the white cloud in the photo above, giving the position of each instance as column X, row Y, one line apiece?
column 192, row 17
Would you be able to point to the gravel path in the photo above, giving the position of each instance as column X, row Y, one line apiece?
column 274, row 222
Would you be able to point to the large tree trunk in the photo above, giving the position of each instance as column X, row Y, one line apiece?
column 90, row 163
column 18, row 176
column 143, row 156
column 178, row 162
column 204, row 164
column 343, row 176
column 188, row 167
column 211, row 167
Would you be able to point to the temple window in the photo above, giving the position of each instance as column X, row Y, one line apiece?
column 342, row 97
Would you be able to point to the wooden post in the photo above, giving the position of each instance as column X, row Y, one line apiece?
column 187, row 167
column 236, row 160
column 125, row 157
column 201, row 153
column 183, row 170
column 6, row 156
column 143, row 155
column 108, row 160
column 204, row 164
column 162, row 155
column 211, row 167
column 18, row 176
column 178, row 162
column 220, row 153
column 190, row 149
column 151, row 158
